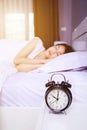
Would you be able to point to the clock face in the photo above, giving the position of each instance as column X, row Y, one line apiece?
column 57, row 100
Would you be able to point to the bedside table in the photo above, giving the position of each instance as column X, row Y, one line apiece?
column 19, row 118
column 75, row 118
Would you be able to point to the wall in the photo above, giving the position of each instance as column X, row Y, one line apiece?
column 65, row 19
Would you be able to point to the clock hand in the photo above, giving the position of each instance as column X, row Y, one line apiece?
column 52, row 102
column 57, row 94
column 53, row 96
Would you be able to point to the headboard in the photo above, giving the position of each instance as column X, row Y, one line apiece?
column 79, row 36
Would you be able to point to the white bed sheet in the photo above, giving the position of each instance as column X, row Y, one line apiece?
column 28, row 89
column 24, row 89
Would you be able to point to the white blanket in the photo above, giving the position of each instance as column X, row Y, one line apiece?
column 6, row 70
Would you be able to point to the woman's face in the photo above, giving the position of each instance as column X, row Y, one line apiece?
column 55, row 51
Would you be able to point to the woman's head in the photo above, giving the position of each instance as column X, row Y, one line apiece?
column 57, row 50
column 68, row 48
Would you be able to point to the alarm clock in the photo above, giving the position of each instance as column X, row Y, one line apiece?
column 58, row 96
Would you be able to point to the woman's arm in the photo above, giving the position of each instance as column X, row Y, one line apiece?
column 26, row 64
column 23, row 63
column 27, row 67
column 24, row 60
column 21, row 57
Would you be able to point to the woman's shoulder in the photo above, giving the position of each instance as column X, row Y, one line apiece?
column 38, row 43
column 39, row 47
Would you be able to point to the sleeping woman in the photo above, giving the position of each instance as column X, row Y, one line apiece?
column 34, row 55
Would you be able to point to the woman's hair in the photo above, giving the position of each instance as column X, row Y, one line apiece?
column 68, row 48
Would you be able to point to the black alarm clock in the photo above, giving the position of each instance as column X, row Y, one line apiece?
column 58, row 96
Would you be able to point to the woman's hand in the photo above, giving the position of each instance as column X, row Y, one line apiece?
column 26, row 64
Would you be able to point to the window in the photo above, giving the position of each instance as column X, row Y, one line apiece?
column 17, row 19
column 15, row 26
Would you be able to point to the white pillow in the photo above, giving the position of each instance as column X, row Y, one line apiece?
column 66, row 61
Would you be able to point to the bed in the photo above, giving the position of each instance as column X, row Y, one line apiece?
column 24, row 91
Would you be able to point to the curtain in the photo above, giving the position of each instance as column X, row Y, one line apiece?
column 46, row 20
column 16, row 19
